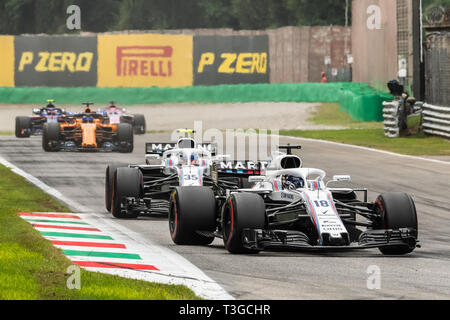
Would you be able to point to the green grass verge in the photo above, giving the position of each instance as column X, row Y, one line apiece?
column 6, row 133
column 32, row 268
column 418, row 145
column 330, row 114
column 368, row 134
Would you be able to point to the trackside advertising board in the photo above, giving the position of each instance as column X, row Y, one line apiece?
column 145, row 60
column 231, row 59
column 6, row 61
column 56, row 61
column 133, row 60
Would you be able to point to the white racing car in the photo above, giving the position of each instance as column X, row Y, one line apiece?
column 133, row 190
column 119, row 115
column 291, row 207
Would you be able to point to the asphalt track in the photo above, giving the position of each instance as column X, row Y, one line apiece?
column 425, row 274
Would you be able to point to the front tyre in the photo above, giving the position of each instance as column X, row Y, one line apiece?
column 139, row 124
column 51, row 137
column 242, row 211
column 23, row 127
column 397, row 211
column 191, row 211
column 125, row 137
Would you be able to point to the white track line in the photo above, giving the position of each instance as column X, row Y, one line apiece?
column 369, row 149
column 179, row 270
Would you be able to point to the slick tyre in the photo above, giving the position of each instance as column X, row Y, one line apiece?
column 125, row 137
column 242, row 211
column 110, row 170
column 23, row 127
column 139, row 124
column 397, row 211
column 191, row 211
column 127, row 182
column 51, row 137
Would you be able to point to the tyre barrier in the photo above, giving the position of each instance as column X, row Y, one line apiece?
column 396, row 126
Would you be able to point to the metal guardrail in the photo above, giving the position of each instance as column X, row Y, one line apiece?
column 436, row 120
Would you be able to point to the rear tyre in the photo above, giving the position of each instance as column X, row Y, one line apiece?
column 139, row 124
column 51, row 137
column 110, row 170
column 397, row 211
column 23, row 127
column 192, row 210
column 125, row 137
column 127, row 182
column 242, row 211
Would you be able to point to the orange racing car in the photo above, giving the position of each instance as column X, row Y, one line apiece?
column 87, row 131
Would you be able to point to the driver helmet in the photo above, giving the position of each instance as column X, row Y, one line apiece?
column 182, row 159
column 292, row 182
column 194, row 159
column 87, row 119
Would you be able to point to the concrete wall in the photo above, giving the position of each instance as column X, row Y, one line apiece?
column 297, row 54
column 374, row 50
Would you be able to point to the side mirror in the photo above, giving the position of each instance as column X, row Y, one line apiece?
column 37, row 111
column 339, row 178
column 342, row 178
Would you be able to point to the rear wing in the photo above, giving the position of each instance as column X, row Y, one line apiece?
column 241, row 168
column 160, row 147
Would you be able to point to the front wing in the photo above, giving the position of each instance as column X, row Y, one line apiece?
column 289, row 240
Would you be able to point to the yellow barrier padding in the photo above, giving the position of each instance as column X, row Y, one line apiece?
column 145, row 60
column 6, row 61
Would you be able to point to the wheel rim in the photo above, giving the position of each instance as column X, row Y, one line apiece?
column 227, row 222
column 173, row 217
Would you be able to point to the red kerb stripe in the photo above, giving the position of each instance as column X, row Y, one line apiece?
column 64, row 227
column 89, row 244
column 48, row 215
column 115, row 265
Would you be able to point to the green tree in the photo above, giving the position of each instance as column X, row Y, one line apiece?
column 161, row 14
column 96, row 16
column 218, row 14
column 314, row 13
column 49, row 16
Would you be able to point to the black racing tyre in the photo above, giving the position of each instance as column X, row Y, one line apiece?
column 397, row 211
column 125, row 137
column 51, row 136
column 139, row 124
column 110, row 170
column 127, row 182
column 23, row 127
column 192, row 210
column 242, row 211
